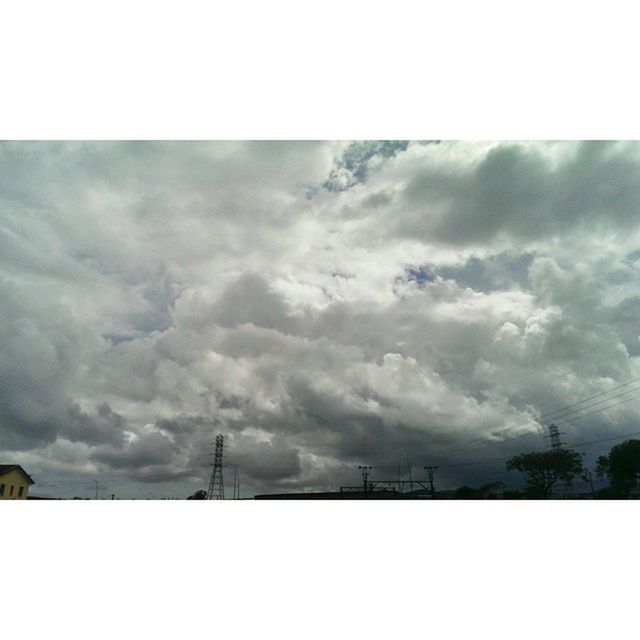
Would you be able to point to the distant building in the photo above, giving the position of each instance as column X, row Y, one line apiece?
column 14, row 482
column 330, row 495
column 351, row 493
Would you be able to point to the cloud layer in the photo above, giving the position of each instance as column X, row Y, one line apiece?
column 323, row 304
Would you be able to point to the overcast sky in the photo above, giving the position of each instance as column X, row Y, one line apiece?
column 322, row 304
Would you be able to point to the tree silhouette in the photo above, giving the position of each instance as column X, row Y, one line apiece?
column 621, row 466
column 545, row 468
column 466, row 493
column 602, row 466
column 201, row 494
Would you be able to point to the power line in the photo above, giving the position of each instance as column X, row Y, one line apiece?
column 607, row 439
column 583, row 444
column 562, row 410
column 573, row 446
column 470, row 462
column 595, row 395
column 485, row 442
column 615, row 404
column 468, row 446
column 595, row 404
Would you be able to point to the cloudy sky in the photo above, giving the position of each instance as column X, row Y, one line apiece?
column 322, row 304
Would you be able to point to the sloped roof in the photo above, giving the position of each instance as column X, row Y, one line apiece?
column 5, row 468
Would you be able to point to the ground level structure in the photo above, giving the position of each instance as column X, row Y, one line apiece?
column 14, row 482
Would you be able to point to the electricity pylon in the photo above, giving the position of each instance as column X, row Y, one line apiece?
column 554, row 436
column 216, row 484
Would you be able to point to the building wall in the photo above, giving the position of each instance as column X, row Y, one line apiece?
column 16, row 480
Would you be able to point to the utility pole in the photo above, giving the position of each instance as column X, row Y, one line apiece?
column 432, row 489
column 216, row 483
column 97, row 487
column 236, row 483
column 365, row 478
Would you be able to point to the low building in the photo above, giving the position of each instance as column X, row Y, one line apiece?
column 14, row 482
column 346, row 493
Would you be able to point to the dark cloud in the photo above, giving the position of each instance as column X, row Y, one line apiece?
column 250, row 300
column 516, row 191
column 266, row 461
column 104, row 427
column 496, row 272
column 147, row 450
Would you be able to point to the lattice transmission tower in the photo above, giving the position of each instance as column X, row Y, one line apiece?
column 216, row 484
column 554, row 436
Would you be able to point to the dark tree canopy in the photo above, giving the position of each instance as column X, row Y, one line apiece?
column 621, row 466
column 466, row 493
column 201, row 494
column 545, row 468
column 602, row 466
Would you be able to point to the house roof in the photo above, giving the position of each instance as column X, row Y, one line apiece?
column 5, row 468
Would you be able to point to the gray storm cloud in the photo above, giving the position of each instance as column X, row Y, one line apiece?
column 323, row 304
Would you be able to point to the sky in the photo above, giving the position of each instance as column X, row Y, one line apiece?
column 324, row 305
